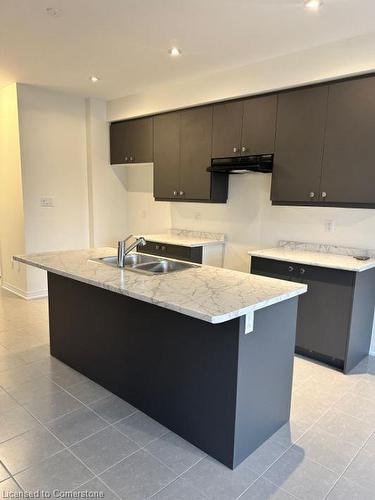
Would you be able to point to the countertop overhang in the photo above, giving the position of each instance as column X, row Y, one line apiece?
column 311, row 258
column 207, row 293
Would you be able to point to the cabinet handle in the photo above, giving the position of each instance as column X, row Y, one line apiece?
column 182, row 193
column 290, row 269
column 302, row 270
column 235, row 150
column 174, row 193
column 312, row 194
column 244, row 149
column 324, row 194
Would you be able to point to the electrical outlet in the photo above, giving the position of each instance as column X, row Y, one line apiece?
column 329, row 226
column 46, row 202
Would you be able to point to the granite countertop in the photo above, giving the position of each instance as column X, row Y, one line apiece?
column 187, row 238
column 208, row 293
column 315, row 258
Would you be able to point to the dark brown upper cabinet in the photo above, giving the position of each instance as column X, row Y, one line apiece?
column 245, row 127
column 322, row 137
column 167, row 155
column 227, row 129
column 348, row 175
column 131, row 141
column 259, row 125
column 196, row 132
column 182, row 154
column 300, row 126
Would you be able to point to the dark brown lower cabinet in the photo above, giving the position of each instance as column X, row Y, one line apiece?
column 191, row 254
column 335, row 316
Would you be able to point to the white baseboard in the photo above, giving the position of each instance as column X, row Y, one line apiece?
column 37, row 294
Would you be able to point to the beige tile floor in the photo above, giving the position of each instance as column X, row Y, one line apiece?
column 60, row 431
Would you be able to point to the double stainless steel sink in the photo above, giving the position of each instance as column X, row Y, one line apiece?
column 147, row 264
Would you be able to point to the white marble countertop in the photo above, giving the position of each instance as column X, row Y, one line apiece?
column 208, row 293
column 315, row 258
column 186, row 238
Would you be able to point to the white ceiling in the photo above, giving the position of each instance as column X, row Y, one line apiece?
column 125, row 42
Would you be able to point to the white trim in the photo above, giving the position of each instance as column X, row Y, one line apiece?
column 372, row 351
column 37, row 294
column 249, row 322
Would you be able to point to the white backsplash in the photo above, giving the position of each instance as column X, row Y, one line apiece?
column 327, row 248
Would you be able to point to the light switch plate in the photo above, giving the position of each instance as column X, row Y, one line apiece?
column 329, row 226
column 46, row 202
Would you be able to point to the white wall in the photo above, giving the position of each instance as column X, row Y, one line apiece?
column 57, row 146
column 12, row 236
column 54, row 164
column 145, row 215
column 106, row 184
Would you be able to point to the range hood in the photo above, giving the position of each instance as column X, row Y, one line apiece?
column 242, row 164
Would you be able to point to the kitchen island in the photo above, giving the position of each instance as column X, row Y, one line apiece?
column 207, row 352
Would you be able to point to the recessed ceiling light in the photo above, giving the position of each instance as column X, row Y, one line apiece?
column 174, row 51
column 313, row 4
column 94, row 79
column 53, row 12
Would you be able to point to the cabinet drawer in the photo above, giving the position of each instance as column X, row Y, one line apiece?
column 276, row 269
column 191, row 254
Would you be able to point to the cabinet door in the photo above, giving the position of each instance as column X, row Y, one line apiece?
column 118, row 137
column 301, row 118
column 196, row 133
column 167, row 155
column 349, row 153
column 324, row 311
column 131, row 141
column 140, row 140
column 259, row 125
column 227, row 129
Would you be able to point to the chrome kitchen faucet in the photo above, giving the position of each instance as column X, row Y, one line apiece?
column 123, row 250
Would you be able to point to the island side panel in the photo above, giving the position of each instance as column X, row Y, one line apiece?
column 362, row 319
column 265, row 374
column 177, row 369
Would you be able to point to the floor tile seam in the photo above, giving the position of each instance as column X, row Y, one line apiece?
column 331, row 434
column 66, row 390
column 139, row 448
column 273, row 484
column 349, row 464
column 286, row 450
column 65, row 448
column 23, row 405
column 101, row 481
column 179, row 476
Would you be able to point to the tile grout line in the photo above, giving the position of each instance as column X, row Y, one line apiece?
column 289, row 448
column 65, row 448
column 113, row 424
column 68, row 448
column 349, row 464
column 179, row 477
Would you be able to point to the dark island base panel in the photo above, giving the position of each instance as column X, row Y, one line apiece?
column 221, row 390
